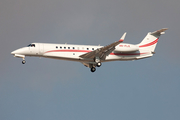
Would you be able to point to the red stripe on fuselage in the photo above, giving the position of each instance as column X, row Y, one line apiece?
column 149, row 44
column 68, row 51
column 86, row 51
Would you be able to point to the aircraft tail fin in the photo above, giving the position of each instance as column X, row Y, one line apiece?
column 150, row 41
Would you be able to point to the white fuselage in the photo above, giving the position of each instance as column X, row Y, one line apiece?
column 72, row 52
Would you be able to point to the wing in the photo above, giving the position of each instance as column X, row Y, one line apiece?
column 102, row 52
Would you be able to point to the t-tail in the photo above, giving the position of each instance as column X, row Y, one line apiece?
column 150, row 41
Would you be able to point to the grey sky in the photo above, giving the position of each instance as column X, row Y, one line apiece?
column 46, row 89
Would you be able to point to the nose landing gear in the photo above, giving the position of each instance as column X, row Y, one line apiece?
column 23, row 62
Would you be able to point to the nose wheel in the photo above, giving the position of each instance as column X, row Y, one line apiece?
column 23, row 62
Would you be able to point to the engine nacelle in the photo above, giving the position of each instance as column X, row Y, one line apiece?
column 124, row 48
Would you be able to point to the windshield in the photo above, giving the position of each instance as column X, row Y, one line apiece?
column 31, row 45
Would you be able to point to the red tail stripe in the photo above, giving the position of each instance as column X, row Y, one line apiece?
column 149, row 44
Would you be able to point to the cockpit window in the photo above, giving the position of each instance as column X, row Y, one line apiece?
column 31, row 45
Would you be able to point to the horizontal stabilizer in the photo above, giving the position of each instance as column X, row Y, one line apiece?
column 159, row 32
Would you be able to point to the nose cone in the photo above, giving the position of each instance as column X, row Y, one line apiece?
column 19, row 51
column 13, row 52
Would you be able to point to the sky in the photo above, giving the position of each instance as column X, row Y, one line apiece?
column 44, row 89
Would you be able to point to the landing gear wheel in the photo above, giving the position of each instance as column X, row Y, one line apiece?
column 93, row 69
column 99, row 64
column 23, row 62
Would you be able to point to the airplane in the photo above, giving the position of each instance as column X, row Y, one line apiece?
column 93, row 56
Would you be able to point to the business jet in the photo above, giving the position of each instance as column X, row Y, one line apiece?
column 93, row 56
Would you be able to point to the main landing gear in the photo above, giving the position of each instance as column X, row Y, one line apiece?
column 99, row 64
column 93, row 68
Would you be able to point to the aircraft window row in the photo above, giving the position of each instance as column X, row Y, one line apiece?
column 31, row 45
column 72, row 48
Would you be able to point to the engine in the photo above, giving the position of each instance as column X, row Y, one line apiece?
column 124, row 48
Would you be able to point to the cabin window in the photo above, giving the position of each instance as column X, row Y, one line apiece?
column 64, row 47
column 92, row 48
column 60, row 47
column 87, row 48
column 56, row 46
column 73, row 48
column 68, row 47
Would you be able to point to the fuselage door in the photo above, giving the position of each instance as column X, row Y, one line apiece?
column 41, row 48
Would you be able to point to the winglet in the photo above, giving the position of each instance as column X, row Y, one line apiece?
column 122, row 38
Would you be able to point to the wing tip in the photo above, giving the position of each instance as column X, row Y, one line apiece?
column 122, row 38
